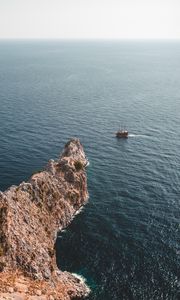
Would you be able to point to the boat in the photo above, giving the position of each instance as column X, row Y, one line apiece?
column 122, row 133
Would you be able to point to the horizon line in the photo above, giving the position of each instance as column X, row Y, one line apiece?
column 89, row 39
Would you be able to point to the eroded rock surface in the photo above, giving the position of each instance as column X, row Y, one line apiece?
column 33, row 212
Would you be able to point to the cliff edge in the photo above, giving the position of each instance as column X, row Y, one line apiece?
column 31, row 214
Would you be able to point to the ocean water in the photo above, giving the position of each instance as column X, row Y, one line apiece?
column 126, row 241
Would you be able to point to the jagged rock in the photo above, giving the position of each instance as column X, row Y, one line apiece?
column 33, row 212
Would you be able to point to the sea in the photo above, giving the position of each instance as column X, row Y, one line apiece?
column 126, row 240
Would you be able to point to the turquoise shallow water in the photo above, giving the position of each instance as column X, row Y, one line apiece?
column 126, row 240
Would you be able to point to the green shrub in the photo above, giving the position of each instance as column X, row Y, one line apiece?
column 78, row 165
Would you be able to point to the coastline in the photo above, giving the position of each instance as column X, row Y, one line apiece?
column 31, row 214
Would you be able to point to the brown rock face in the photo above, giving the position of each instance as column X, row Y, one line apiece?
column 33, row 212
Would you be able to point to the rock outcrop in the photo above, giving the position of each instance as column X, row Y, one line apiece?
column 33, row 212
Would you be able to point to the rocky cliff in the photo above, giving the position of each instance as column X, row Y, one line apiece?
column 30, row 216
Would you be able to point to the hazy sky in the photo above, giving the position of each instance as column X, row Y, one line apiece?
column 90, row 19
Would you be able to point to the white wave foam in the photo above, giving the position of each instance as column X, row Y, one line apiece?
column 138, row 135
column 79, row 210
column 88, row 163
column 83, row 281
column 80, row 277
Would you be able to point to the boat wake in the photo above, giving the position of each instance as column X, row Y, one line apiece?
column 132, row 135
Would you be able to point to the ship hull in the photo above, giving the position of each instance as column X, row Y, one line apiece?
column 122, row 134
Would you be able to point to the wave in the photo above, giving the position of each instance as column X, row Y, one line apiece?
column 79, row 211
column 80, row 277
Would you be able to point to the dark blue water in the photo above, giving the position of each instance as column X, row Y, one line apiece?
column 126, row 241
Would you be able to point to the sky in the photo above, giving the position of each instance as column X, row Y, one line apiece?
column 90, row 19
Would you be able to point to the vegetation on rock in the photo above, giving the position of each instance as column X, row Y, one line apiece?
column 78, row 165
